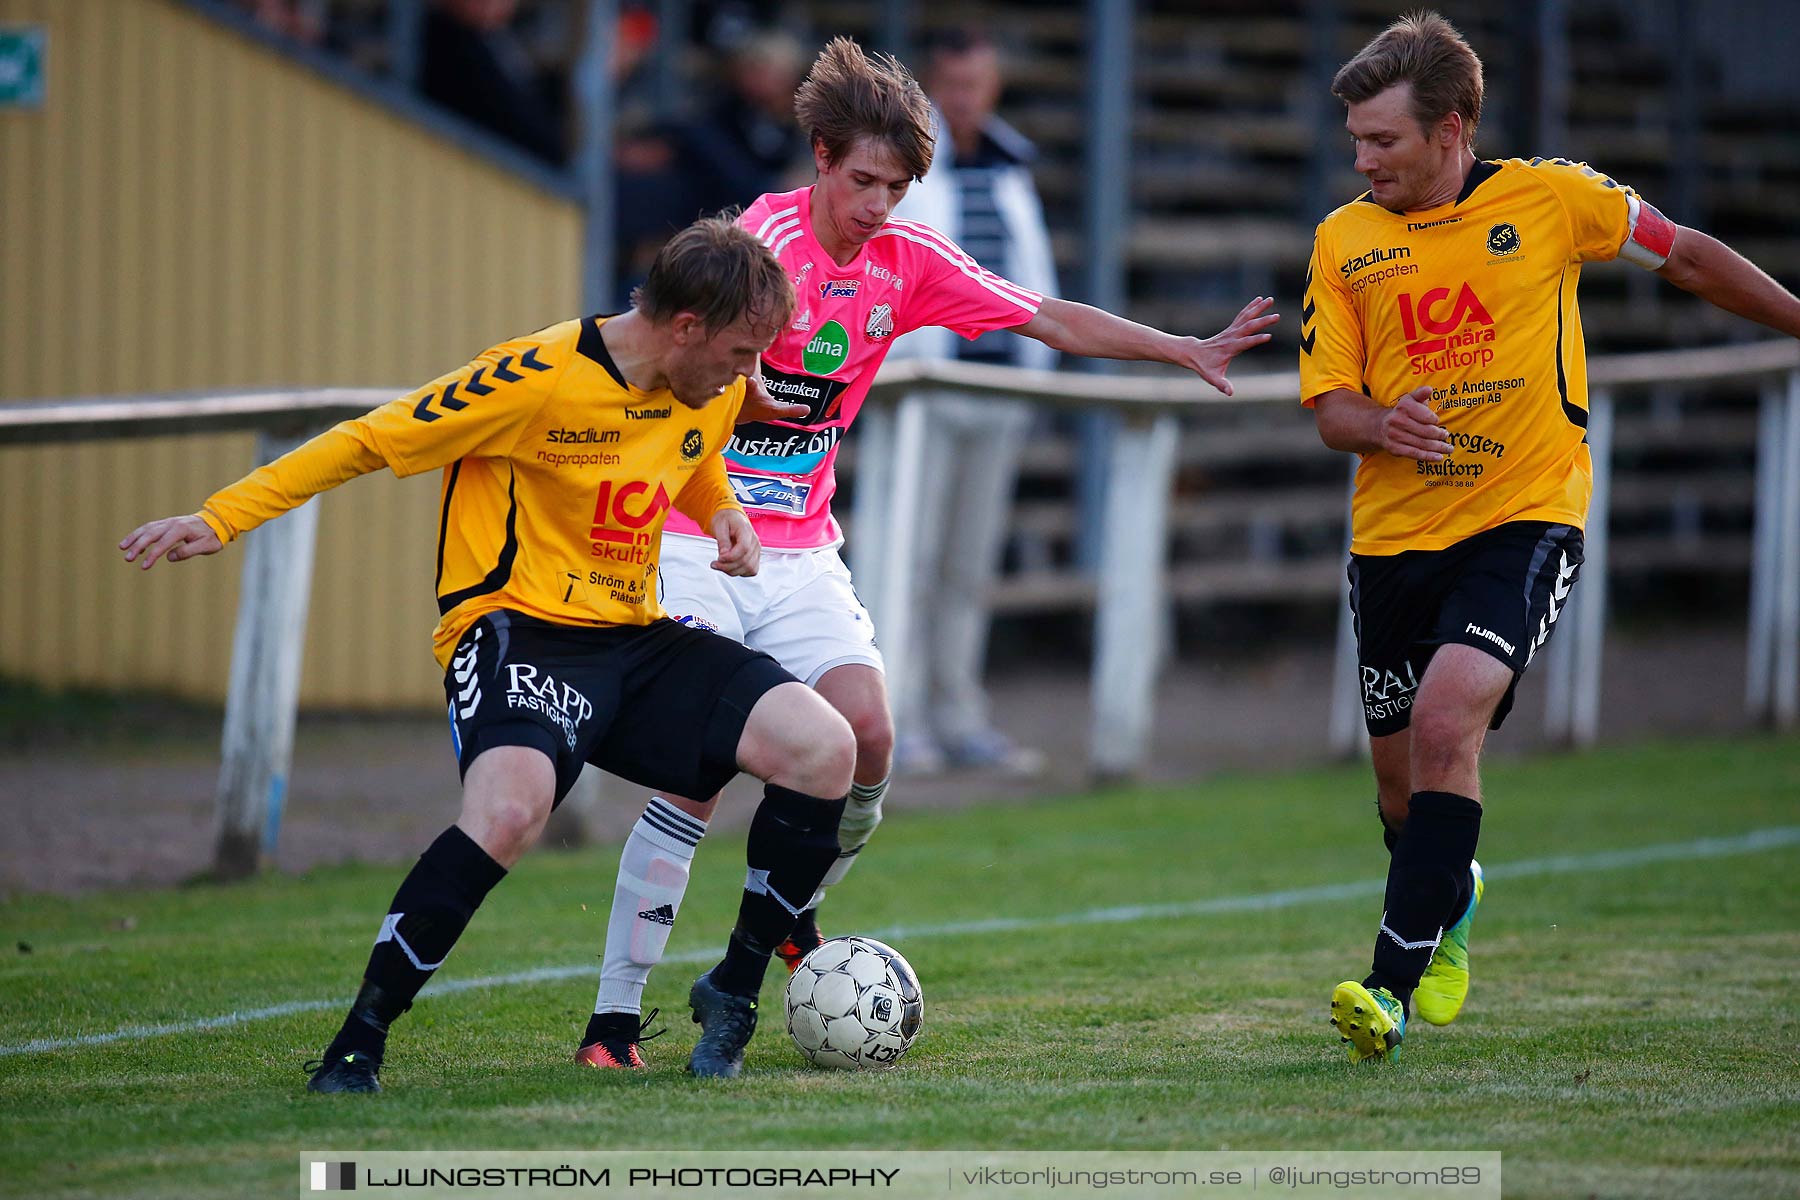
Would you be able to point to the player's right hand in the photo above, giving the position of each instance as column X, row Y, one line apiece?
column 1411, row 429
column 174, row 537
column 759, row 405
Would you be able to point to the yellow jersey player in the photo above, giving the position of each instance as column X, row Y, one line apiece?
column 1441, row 341
column 562, row 455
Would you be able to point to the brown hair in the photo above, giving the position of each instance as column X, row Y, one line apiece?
column 719, row 271
column 1426, row 51
column 848, row 96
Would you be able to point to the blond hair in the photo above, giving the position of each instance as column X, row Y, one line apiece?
column 1426, row 51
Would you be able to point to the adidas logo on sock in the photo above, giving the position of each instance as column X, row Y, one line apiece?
column 662, row 914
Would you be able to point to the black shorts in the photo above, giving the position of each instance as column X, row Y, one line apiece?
column 662, row 705
column 1499, row 591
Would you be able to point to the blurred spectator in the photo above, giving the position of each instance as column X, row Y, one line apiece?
column 474, row 64
column 747, row 142
column 979, row 193
column 743, row 143
column 303, row 21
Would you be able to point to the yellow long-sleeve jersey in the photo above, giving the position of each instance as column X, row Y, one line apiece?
column 558, row 475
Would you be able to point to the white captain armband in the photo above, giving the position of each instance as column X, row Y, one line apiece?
column 1649, row 236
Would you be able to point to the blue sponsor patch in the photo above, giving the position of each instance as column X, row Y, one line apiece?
column 780, row 449
column 771, row 495
column 693, row 622
column 839, row 288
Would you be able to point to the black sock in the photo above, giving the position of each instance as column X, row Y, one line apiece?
column 793, row 842
column 1427, row 881
column 806, row 928
column 427, row 915
column 1390, row 834
column 611, row 1026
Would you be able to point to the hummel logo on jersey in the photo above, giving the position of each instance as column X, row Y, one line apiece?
column 662, row 914
column 648, row 414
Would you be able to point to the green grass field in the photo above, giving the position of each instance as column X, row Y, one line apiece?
column 1634, row 1028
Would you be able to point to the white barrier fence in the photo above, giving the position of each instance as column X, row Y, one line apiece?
column 261, row 702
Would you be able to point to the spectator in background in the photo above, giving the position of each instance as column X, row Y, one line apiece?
column 303, row 21
column 980, row 194
column 743, row 144
column 747, row 141
column 474, row 64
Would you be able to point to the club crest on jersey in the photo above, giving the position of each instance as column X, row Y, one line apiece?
column 881, row 322
column 839, row 288
column 693, row 445
column 1503, row 239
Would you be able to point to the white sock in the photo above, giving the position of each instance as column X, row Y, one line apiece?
column 653, row 877
column 861, row 815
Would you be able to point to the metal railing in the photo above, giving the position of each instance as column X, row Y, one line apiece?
column 264, row 687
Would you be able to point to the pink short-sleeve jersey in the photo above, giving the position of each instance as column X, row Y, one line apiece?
column 908, row 276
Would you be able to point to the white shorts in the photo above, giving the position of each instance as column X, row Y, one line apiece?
column 800, row 608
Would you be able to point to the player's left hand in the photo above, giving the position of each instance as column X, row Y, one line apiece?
column 1212, row 356
column 759, row 405
column 174, row 538
column 740, row 550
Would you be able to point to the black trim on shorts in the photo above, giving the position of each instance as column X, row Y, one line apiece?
column 496, row 578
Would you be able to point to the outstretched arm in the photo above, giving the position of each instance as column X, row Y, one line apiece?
column 338, row 454
column 1096, row 333
column 1713, row 271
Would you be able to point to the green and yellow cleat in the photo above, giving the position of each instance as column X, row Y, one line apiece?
column 1372, row 1023
column 1445, row 984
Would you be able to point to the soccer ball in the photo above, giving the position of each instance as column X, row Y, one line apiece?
column 854, row 1004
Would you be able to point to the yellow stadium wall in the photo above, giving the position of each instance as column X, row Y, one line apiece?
column 190, row 210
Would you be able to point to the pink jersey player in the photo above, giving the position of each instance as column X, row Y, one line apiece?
column 863, row 278
column 907, row 276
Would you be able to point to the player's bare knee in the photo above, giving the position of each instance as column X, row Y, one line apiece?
column 874, row 733
column 794, row 739
column 827, row 762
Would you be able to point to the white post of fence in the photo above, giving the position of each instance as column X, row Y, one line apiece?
column 872, row 508
column 1590, row 610
column 1786, row 707
column 265, row 683
column 1348, row 732
column 1572, row 695
column 1132, row 594
column 1765, row 565
column 893, row 609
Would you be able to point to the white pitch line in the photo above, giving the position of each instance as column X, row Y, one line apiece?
column 1777, row 838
